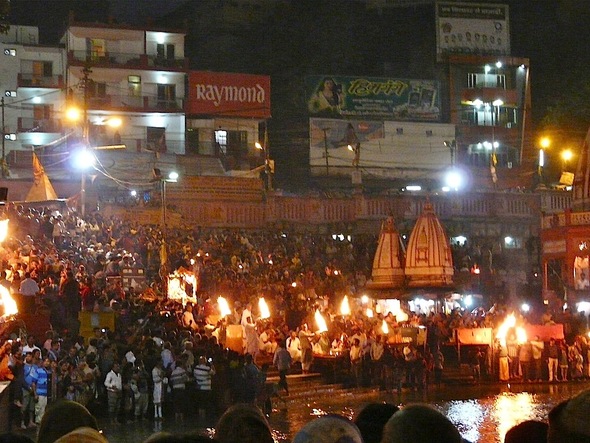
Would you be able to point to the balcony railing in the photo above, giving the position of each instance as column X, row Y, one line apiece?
column 134, row 103
column 39, row 125
column 127, row 60
column 40, row 81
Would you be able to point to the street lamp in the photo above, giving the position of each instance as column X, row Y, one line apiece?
column 566, row 156
column 545, row 143
column 267, row 164
column 171, row 178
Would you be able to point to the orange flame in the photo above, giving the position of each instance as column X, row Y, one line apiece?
column 10, row 307
column 224, row 309
column 322, row 326
column 344, row 306
column 263, row 308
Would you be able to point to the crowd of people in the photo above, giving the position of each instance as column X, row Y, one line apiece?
column 166, row 359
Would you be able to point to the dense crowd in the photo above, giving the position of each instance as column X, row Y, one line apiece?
column 166, row 358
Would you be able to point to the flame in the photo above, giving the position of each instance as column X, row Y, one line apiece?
column 509, row 323
column 369, row 313
column 384, row 327
column 322, row 326
column 8, row 302
column 344, row 306
column 223, row 306
column 263, row 308
column 401, row 317
column 521, row 335
column 3, row 229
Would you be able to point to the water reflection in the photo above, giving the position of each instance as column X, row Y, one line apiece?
column 468, row 416
column 482, row 413
column 511, row 409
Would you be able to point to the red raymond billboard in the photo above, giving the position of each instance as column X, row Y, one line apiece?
column 228, row 94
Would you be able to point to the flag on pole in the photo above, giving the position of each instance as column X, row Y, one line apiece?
column 38, row 170
column 493, row 163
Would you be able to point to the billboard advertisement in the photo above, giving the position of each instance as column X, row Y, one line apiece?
column 228, row 94
column 373, row 97
column 470, row 28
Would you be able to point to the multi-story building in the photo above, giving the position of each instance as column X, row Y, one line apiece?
column 32, row 87
column 135, row 75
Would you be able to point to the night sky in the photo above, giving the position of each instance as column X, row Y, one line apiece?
column 339, row 37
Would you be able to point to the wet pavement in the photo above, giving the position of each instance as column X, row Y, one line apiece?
column 483, row 413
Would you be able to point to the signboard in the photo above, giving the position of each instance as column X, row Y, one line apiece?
column 472, row 28
column 228, row 94
column 329, row 134
column 134, row 278
column 474, row 336
column 373, row 97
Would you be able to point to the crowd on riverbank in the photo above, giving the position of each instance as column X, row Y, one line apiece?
column 75, row 264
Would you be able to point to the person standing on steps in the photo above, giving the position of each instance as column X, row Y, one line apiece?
column 282, row 360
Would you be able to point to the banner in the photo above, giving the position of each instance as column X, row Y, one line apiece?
column 467, row 28
column 228, row 94
column 474, row 336
column 373, row 97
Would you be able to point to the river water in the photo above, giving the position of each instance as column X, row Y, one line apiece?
column 483, row 413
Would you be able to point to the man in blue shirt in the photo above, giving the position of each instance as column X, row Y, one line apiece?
column 42, row 385
column 28, row 389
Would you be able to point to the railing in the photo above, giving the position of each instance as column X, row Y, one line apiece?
column 130, row 103
column 39, row 125
column 127, row 60
column 40, row 81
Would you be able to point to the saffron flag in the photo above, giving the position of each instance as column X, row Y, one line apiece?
column 38, row 170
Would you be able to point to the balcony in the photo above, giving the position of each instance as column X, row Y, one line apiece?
column 39, row 125
column 134, row 103
column 30, row 80
column 488, row 95
column 126, row 60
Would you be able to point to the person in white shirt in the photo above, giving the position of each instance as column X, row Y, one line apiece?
column 188, row 320
column 114, row 384
column 30, row 346
column 294, row 347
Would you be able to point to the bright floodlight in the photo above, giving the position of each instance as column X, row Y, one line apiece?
column 114, row 122
column 133, row 193
column 454, row 180
column 73, row 114
column 173, row 176
column 525, row 307
column 468, row 301
column 84, row 159
column 258, row 145
column 414, row 188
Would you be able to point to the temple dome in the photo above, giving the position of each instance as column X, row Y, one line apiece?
column 429, row 262
column 388, row 264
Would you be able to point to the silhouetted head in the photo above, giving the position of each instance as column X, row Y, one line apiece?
column 372, row 419
column 63, row 417
column 420, row 423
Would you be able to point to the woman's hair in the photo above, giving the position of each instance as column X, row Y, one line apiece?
column 243, row 423
column 63, row 417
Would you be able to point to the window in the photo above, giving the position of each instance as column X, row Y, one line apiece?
column 42, row 69
column 428, row 133
column 134, row 84
column 41, row 112
column 221, row 141
column 96, row 89
column 95, row 49
column 165, row 51
column 156, row 139
column 399, row 131
column 192, row 141
column 486, row 81
column 167, row 96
